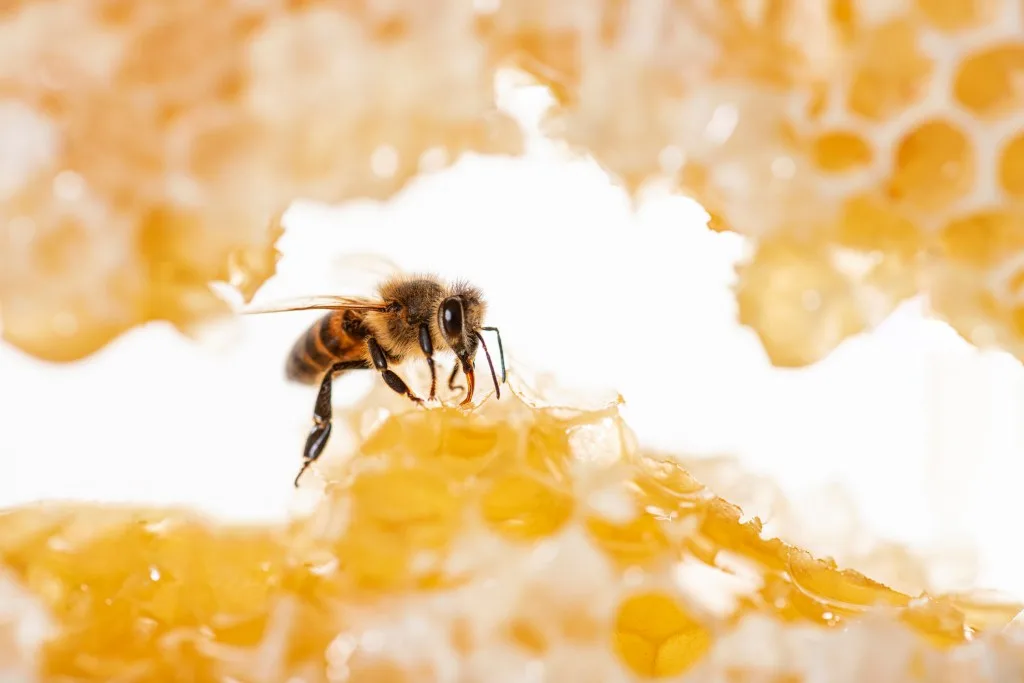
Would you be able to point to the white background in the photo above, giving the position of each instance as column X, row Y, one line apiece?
column 922, row 430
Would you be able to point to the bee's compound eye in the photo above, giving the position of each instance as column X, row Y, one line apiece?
column 451, row 318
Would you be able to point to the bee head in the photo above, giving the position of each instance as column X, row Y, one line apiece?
column 459, row 318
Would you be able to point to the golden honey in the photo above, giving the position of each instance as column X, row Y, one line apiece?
column 448, row 543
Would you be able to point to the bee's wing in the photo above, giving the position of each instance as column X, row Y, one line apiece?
column 360, row 273
column 325, row 302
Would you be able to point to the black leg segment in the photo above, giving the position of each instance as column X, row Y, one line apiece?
column 322, row 414
column 451, row 380
column 380, row 361
column 427, row 346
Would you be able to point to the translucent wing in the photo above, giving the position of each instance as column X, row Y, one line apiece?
column 325, row 302
column 359, row 273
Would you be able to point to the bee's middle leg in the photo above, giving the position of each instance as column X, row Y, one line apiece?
column 322, row 414
column 427, row 346
column 380, row 361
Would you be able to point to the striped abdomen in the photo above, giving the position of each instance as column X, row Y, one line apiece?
column 337, row 336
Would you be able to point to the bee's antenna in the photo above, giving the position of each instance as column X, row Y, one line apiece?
column 494, row 375
column 501, row 351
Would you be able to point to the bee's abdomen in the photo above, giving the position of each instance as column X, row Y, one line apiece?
column 327, row 341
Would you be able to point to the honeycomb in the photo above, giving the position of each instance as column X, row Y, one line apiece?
column 141, row 167
column 872, row 150
column 522, row 541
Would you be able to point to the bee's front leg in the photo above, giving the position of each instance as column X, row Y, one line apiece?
column 470, row 373
column 451, row 379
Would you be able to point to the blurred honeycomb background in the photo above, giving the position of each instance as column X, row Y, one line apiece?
column 871, row 149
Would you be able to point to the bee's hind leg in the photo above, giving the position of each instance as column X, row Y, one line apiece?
column 322, row 413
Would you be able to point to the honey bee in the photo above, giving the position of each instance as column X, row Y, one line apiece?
column 410, row 314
